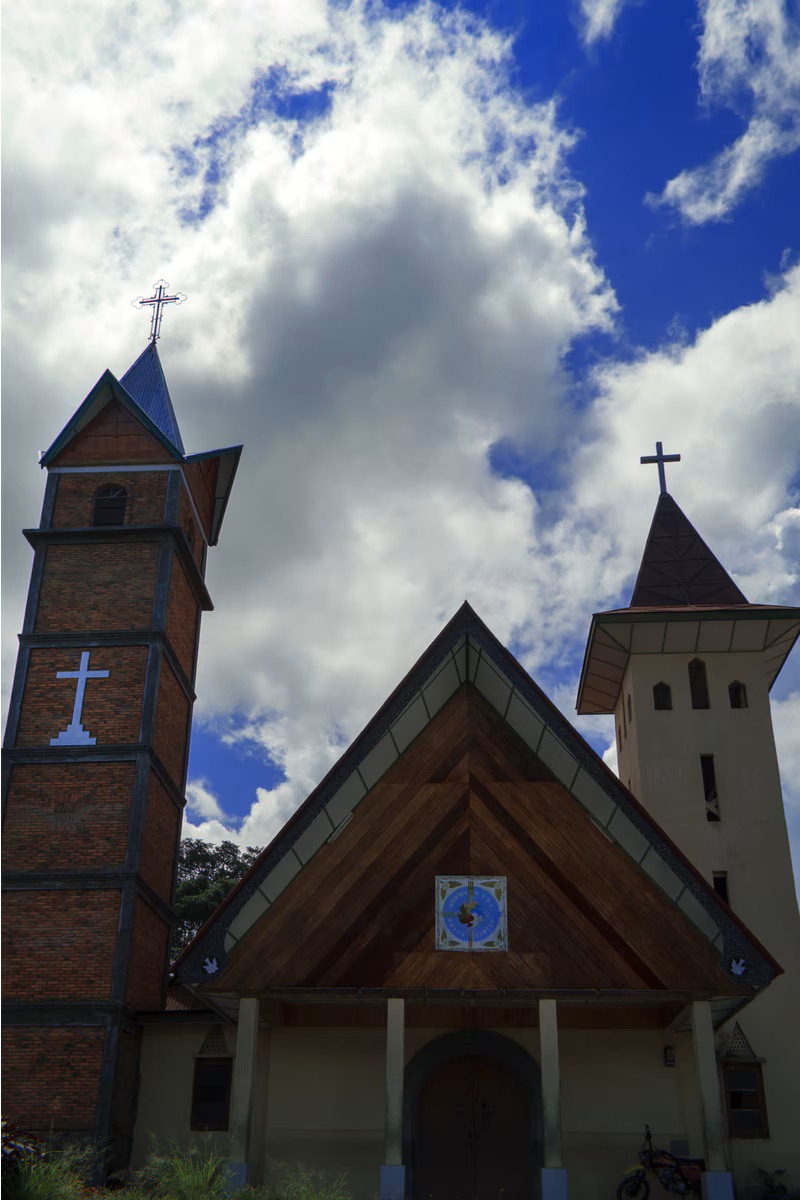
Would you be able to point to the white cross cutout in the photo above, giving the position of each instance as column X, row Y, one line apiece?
column 75, row 734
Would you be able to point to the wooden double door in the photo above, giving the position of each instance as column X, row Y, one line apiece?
column 473, row 1134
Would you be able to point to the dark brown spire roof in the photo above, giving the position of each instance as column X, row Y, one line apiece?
column 677, row 566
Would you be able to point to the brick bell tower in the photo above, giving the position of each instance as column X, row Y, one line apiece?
column 96, row 751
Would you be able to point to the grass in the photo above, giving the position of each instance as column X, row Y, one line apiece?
column 58, row 1175
column 171, row 1172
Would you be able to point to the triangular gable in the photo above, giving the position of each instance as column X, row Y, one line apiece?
column 144, row 381
column 107, row 390
column 467, row 652
column 144, row 395
column 678, row 567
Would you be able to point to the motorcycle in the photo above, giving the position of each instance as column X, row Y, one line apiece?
column 680, row 1176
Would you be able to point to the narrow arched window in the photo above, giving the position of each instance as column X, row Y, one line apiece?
column 662, row 696
column 189, row 531
column 619, row 738
column 630, row 709
column 738, row 694
column 108, row 505
column 698, row 683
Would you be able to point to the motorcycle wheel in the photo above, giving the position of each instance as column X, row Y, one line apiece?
column 634, row 1187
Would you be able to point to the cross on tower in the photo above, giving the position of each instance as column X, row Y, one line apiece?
column 157, row 302
column 660, row 457
column 75, row 734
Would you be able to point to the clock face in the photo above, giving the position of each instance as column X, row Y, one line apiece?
column 471, row 912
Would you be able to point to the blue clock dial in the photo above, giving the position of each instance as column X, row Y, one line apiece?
column 471, row 914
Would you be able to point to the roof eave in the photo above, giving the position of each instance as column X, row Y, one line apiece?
column 228, row 466
column 676, row 615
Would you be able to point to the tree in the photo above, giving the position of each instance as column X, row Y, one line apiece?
column 206, row 874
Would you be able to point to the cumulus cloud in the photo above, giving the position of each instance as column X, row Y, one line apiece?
column 387, row 262
column 729, row 402
column 749, row 61
column 378, row 291
column 201, row 802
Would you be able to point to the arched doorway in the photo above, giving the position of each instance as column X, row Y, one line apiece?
column 472, row 1119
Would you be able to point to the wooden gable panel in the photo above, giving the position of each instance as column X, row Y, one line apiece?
column 114, row 435
column 469, row 798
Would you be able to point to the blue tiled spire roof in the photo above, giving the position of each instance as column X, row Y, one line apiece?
column 145, row 383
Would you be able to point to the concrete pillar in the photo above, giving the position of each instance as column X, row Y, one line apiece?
column 393, row 1181
column 242, row 1090
column 717, row 1182
column 554, row 1177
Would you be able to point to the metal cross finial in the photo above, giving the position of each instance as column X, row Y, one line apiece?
column 660, row 457
column 158, row 301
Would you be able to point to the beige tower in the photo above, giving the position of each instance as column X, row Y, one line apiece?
column 686, row 670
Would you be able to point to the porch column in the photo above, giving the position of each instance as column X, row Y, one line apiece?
column 717, row 1182
column 393, row 1173
column 242, row 1090
column 554, row 1177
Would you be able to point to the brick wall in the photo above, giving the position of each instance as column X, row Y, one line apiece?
column 145, row 504
column 51, row 1076
column 113, row 436
column 182, row 617
column 172, row 724
column 107, row 585
column 59, row 944
column 72, row 815
column 112, row 707
column 162, row 821
column 147, row 960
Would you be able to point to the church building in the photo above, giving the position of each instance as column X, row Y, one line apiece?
column 474, row 962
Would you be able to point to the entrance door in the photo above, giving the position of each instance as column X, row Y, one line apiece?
column 474, row 1134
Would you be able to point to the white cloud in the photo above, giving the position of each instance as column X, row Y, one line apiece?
column 599, row 17
column 201, row 802
column 749, row 61
column 376, row 296
column 730, row 404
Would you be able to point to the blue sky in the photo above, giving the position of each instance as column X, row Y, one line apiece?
column 450, row 271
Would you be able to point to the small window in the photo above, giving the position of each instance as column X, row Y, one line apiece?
column 619, row 738
column 662, row 697
column 738, row 694
column 211, row 1093
column 189, row 532
column 698, row 684
column 624, row 721
column 630, row 709
column 710, row 786
column 744, row 1100
column 108, row 505
column 721, row 885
